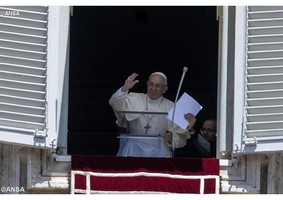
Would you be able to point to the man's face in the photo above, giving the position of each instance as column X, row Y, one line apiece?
column 156, row 86
column 208, row 130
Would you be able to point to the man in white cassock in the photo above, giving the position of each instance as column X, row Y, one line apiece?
column 155, row 129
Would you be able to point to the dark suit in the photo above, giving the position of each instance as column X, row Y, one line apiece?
column 194, row 149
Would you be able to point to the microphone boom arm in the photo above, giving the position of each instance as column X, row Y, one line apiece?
column 185, row 69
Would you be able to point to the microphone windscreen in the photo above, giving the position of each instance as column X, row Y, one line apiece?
column 185, row 69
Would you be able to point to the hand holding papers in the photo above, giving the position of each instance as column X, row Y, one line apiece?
column 186, row 104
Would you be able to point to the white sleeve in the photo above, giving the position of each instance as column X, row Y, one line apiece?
column 120, row 94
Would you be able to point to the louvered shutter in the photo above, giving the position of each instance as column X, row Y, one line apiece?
column 262, row 127
column 23, row 75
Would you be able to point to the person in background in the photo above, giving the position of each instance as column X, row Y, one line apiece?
column 145, row 122
column 208, row 132
column 203, row 143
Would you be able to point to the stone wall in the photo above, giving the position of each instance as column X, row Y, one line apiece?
column 32, row 170
column 255, row 174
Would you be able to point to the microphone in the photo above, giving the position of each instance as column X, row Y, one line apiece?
column 185, row 69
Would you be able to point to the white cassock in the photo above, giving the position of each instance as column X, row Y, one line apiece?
column 136, row 125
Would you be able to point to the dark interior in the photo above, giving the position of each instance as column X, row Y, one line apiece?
column 108, row 43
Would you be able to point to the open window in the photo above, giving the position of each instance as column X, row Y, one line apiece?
column 110, row 42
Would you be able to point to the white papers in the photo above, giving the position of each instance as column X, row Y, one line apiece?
column 186, row 104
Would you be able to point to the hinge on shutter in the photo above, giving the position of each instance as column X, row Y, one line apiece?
column 250, row 141
column 40, row 134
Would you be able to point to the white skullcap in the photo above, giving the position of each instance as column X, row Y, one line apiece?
column 161, row 74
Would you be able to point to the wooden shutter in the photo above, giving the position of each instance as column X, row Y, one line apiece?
column 262, row 127
column 24, row 106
